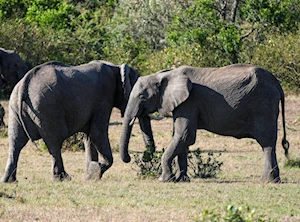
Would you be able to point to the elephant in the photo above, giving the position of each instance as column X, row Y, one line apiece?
column 53, row 101
column 12, row 67
column 239, row 100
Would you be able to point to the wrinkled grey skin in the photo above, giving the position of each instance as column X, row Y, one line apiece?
column 12, row 67
column 238, row 100
column 53, row 101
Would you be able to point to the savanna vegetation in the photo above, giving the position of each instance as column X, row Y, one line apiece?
column 151, row 35
column 156, row 34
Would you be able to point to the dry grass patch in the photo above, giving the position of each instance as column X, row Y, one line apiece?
column 122, row 196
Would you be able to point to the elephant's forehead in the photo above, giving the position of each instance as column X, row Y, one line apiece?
column 143, row 82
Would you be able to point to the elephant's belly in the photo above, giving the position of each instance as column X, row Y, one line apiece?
column 226, row 128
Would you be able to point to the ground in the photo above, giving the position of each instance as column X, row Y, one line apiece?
column 121, row 195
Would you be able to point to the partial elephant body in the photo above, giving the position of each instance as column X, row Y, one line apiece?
column 72, row 98
column 228, row 99
column 238, row 100
column 12, row 67
column 54, row 101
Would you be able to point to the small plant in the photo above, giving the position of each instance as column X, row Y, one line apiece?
column 232, row 214
column 41, row 145
column 3, row 132
column 74, row 143
column 292, row 163
column 149, row 164
column 203, row 168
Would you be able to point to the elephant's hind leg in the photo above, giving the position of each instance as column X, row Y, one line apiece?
column 93, row 167
column 17, row 140
column 101, row 142
column 267, row 139
column 54, row 147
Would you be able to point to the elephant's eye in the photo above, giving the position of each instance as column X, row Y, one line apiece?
column 142, row 98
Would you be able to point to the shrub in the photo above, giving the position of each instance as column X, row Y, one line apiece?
column 292, row 163
column 3, row 132
column 149, row 164
column 204, row 168
column 73, row 143
column 232, row 214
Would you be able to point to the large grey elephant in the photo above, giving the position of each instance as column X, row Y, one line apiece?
column 237, row 100
column 12, row 67
column 53, row 101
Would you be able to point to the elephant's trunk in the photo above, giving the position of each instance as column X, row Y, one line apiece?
column 125, row 136
column 126, row 131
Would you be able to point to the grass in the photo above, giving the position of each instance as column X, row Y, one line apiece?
column 122, row 196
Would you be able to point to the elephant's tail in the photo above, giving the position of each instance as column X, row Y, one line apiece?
column 23, row 92
column 285, row 143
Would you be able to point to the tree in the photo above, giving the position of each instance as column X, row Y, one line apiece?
column 224, row 25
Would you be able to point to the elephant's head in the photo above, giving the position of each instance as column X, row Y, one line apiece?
column 12, row 67
column 129, row 77
column 161, row 92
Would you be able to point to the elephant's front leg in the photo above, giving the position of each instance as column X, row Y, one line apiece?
column 182, row 163
column 184, row 135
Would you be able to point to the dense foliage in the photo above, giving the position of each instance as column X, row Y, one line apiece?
column 157, row 34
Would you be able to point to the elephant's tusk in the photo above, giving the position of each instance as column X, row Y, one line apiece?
column 155, row 117
column 132, row 121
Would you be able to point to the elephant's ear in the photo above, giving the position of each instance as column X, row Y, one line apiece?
column 128, row 77
column 175, row 89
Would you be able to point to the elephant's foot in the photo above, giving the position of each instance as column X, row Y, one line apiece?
column 63, row 176
column 8, row 179
column 94, row 171
column 167, row 178
column 270, row 179
column 271, row 176
column 183, row 178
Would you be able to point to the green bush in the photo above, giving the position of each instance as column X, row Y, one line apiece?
column 290, row 163
column 3, row 132
column 149, row 164
column 231, row 214
column 203, row 168
column 73, row 143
